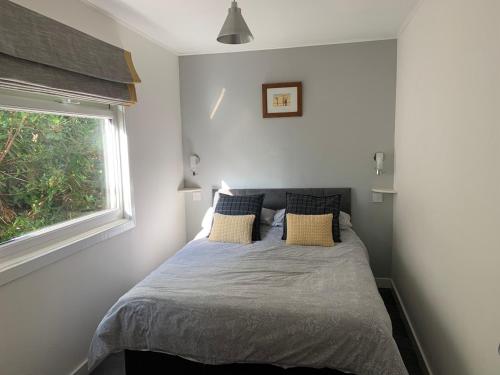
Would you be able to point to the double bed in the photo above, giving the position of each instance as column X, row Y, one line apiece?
column 264, row 304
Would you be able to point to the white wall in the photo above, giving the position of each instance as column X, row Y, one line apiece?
column 349, row 94
column 446, row 257
column 48, row 317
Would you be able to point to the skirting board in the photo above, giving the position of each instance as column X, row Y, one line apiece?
column 421, row 354
column 382, row 282
column 82, row 369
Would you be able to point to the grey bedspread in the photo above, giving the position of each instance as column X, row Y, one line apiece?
column 260, row 303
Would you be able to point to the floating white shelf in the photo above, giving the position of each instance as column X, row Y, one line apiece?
column 384, row 191
column 189, row 190
column 378, row 194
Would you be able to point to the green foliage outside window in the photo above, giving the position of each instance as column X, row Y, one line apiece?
column 51, row 170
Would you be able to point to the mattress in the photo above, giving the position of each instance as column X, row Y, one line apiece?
column 291, row 306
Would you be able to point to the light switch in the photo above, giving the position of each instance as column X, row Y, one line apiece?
column 377, row 197
column 196, row 196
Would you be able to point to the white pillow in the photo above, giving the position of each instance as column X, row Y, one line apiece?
column 279, row 217
column 344, row 219
column 267, row 216
column 208, row 218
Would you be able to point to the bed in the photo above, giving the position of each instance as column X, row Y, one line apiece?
column 215, row 307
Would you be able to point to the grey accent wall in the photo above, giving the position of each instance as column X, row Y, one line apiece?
column 349, row 106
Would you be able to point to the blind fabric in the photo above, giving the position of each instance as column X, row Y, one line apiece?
column 39, row 54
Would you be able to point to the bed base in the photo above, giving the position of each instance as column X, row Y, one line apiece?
column 152, row 363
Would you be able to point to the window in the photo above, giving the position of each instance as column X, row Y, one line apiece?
column 63, row 170
column 52, row 169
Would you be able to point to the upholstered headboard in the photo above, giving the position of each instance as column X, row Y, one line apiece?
column 276, row 198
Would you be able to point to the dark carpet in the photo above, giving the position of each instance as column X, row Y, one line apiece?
column 115, row 364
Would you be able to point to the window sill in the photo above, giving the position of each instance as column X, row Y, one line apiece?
column 15, row 266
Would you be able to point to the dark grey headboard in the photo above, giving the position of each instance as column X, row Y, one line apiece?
column 276, row 198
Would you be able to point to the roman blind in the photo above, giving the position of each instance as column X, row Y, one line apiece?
column 39, row 54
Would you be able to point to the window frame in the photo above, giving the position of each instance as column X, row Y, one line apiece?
column 30, row 251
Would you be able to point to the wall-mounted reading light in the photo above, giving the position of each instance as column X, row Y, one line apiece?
column 379, row 161
column 194, row 160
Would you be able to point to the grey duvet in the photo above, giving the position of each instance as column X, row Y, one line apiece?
column 261, row 303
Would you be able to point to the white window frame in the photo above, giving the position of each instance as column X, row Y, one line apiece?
column 31, row 251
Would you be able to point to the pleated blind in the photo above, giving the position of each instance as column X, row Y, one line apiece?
column 39, row 54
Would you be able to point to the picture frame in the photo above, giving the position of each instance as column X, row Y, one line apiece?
column 282, row 99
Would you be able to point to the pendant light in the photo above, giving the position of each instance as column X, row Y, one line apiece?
column 235, row 29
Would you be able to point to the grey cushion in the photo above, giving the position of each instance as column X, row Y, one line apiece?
column 242, row 205
column 303, row 204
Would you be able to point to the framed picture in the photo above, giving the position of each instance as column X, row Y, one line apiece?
column 282, row 99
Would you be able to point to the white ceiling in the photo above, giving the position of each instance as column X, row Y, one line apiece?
column 191, row 26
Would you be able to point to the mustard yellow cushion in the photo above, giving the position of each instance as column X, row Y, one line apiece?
column 232, row 228
column 309, row 230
